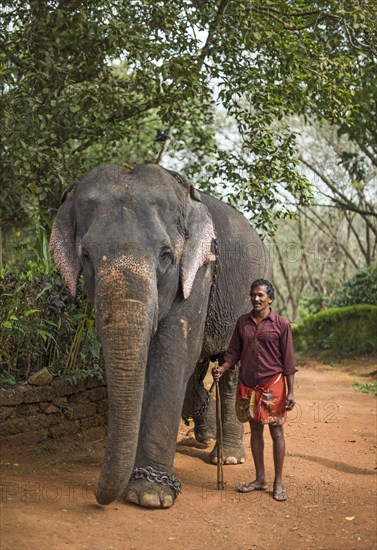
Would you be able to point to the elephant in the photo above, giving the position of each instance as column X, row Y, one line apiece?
column 168, row 271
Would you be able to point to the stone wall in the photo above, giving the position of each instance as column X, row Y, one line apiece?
column 31, row 414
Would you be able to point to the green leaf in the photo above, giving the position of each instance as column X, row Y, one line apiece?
column 31, row 312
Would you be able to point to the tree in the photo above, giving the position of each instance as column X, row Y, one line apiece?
column 86, row 81
column 336, row 235
column 312, row 257
column 344, row 186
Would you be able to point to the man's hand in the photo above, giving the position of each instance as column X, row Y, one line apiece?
column 217, row 373
column 290, row 402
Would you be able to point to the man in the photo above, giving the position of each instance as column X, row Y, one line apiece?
column 262, row 341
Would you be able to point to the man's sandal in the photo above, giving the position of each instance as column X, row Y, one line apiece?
column 279, row 494
column 252, row 486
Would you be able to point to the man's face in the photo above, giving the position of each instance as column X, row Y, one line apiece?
column 259, row 298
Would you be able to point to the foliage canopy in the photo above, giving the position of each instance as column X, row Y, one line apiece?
column 86, row 82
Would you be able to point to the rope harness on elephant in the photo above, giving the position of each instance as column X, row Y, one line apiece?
column 155, row 476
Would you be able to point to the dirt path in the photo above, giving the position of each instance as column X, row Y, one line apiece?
column 48, row 502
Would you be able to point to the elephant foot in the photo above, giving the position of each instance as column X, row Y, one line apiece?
column 205, row 426
column 203, row 434
column 149, row 495
column 230, row 455
column 152, row 489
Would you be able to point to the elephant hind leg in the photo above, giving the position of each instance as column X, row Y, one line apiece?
column 231, row 455
column 198, row 405
column 205, row 424
column 233, row 449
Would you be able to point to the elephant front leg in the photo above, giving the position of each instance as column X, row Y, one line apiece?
column 153, row 483
column 233, row 449
column 152, row 488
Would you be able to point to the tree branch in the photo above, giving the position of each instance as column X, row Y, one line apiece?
column 189, row 19
column 305, row 258
column 212, row 29
column 285, row 275
column 344, row 202
column 321, row 225
column 321, row 15
column 118, row 118
column 283, row 306
column 13, row 57
column 355, row 234
column 297, row 28
column 366, row 152
column 268, row 10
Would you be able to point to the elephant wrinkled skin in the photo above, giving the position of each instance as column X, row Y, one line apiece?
column 168, row 270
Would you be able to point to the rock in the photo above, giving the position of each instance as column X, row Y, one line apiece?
column 40, row 378
column 60, row 402
column 6, row 412
column 51, row 409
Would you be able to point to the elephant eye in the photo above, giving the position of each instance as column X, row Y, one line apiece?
column 85, row 258
column 85, row 255
column 165, row 254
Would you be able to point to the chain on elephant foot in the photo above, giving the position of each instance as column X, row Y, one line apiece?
column 152, row 489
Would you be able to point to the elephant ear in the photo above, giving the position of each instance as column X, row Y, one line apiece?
column 62, row 244
column 198, row 247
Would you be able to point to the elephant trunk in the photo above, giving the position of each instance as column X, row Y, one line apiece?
column 125, row 312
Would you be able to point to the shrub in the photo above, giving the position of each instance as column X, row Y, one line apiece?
column 360, row 289
column 348, row 329
column 369, row 387
column 40, row 326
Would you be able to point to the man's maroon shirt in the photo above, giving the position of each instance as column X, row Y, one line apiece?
column 264, row 349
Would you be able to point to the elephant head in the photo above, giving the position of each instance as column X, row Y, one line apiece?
column 139, row 237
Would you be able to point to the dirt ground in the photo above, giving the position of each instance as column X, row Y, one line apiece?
column 330, row 474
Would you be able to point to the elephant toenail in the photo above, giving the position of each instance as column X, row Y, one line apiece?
column 150, row 500
column 131, row 496
column 167, row 501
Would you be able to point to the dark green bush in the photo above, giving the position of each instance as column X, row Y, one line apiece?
column 343, row 329
column 360, row 289
column 40, row 326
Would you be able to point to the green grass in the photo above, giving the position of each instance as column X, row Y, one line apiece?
column 369, row 387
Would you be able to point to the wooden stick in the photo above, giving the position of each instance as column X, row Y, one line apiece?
column 219, row 440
